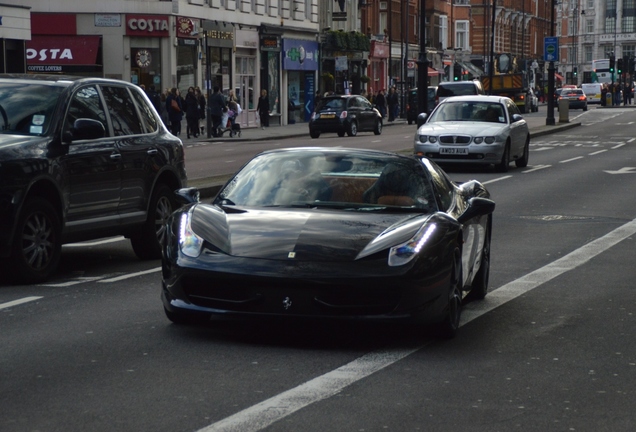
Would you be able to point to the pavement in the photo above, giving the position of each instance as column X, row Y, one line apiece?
column 209, row 186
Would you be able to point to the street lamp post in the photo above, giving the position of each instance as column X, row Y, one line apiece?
column 549, row 121
column 422, row 64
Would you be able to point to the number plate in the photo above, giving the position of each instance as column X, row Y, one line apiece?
column 453, row 150
column 328, row 116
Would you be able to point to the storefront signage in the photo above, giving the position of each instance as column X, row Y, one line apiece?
column 379, row 49
column 186, row 28
column 270, row 43
column 300, row 54
column 246, row 39
column 219, row 34
column 147, row 25
column 107, row 20
column 62, row 53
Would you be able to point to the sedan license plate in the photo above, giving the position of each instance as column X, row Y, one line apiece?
column 453, row 150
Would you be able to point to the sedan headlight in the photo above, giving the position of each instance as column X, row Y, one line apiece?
column 487, row 140
column 405, row 252
column 428, row 138
column 190, row 244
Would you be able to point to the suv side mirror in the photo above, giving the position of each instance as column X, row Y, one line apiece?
column 84, row 129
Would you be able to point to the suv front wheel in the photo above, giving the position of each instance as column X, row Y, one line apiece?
column 147, row 244
column 37, row 244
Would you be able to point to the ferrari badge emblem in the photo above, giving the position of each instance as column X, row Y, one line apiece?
column 287, row 303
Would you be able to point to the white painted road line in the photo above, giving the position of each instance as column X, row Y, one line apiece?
column 262, row 415
column 130, row 275
column 18, row 302
column 72, row 282
column 598, row 152
column 570, row 160
column 95, row 243
column 495, row 180
column 536, row 168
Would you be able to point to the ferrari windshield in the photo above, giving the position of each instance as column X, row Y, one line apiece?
column 338, row 180
column 469, row 111
column 27, row 108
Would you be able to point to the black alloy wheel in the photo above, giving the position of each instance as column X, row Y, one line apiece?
column 147, row 244
column 479, row 287
column 522, row 162
column 450, row 324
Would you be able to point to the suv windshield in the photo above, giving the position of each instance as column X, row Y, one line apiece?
column 27, row 109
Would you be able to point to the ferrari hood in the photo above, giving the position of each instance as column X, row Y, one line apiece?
column 302, row 234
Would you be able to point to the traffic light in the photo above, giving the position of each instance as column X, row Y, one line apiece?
column 457, row 72
column 611, row 61
column 575, row 71
column 619, row 66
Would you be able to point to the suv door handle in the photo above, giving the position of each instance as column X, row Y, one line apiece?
column 115, row 156
column 152, row 151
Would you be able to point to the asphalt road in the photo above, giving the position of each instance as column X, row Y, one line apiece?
column 551, row 348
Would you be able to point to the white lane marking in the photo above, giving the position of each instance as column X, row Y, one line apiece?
column 261, row 415
column 618, row 146
column 542, row 149
column 73, row 282
column 18, row 302
column 536, row 168
column 570, row 160
column 95, row 243
column 631, row 140
column 495, row 180
column 597, row 152
column 130, row 275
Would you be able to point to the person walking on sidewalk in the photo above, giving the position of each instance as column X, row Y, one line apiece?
column 217, row 107
column 393, row 102
column 263, row 109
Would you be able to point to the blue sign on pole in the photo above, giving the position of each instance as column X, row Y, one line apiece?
column 551, row 49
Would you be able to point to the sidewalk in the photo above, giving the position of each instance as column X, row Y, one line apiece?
column 208, row 187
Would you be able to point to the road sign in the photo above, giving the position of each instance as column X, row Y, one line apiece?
column 551, row 49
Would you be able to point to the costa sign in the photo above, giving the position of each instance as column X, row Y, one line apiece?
column 62, row 50
column 147, row 25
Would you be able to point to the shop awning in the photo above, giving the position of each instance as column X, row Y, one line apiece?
column 46, row 50
column 559, row 77
column 433, row 72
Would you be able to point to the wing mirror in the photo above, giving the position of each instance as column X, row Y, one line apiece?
column 187, row 196
column 85, row 129
column 421, row 119
column 477, row 206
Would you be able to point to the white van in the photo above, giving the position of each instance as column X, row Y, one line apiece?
column 593, row 92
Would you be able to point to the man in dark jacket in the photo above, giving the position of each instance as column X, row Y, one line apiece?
column 216, row 108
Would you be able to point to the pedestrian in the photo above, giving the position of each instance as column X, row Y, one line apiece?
column 263, row 109
column 216, row 107
column 317, row 99
column 154, row 97
column 393, row 103
column 370, row 95
column 380, row 101
column 617, row 94
column 192, row 113
column 163, row 111
column 174, row 108
column 202, row 103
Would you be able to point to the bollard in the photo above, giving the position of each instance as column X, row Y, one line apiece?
column 564, row 111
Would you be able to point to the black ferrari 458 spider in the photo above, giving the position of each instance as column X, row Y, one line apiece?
column 330, row 234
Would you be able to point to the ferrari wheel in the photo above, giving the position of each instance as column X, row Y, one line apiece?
column 480, row 284
column 378, row 127
column 450, row 324
column 522, row 162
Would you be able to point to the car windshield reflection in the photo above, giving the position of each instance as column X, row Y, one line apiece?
column 27, row 109
column 324, row 180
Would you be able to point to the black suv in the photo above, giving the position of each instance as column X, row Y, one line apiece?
column 81, row 158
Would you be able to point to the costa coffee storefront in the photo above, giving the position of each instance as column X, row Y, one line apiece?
column 146, row 33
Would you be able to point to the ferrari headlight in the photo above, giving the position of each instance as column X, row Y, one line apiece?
column 190, row 244
column 405, row 252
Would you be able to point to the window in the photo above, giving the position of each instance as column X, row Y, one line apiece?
column 629, row 50
column 383, row 26
column 610, row 25
column 589, row 26
column 443, row 31
column 628, row 24
column 149, row 119
column 122, row 111
column 570, row 26
column 86, row 104
column 461, row 34
column 590, row 4
column 587, row 53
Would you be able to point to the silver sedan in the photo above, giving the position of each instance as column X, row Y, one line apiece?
column 475, row 130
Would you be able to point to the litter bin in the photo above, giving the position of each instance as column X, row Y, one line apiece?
column 608, row 100
column 564, row 111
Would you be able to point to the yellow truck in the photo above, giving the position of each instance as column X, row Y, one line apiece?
column 515, row 86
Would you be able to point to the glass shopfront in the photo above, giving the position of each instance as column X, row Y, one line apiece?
column 300, row 61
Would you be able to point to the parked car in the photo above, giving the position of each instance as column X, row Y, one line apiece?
column 81, row 158
column 576, row 98
column 342, row 114
column 458, row 88
column 412, row 110
column 475, row 130
column 331, row 234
